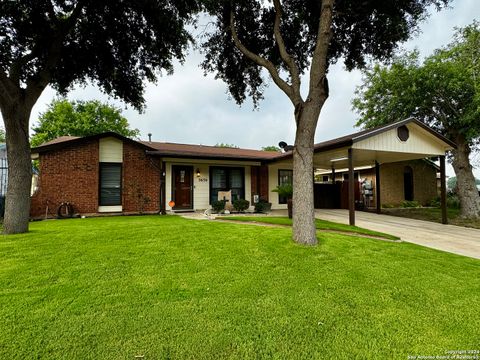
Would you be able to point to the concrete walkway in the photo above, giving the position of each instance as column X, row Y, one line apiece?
column 450, row 238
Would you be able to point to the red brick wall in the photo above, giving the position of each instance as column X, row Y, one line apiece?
column 69, row 174
column 141, row 181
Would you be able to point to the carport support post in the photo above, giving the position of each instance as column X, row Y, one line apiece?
column 351, row 189
column 443, row 190
column 378, row 202
column 333, row 174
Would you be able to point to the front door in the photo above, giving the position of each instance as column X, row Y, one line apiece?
column 182, row 187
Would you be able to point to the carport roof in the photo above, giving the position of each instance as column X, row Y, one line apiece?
column 379, row 145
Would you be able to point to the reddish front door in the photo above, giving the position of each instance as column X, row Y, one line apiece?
column 183, row 187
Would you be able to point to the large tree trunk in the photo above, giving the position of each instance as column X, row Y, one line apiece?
column 17, row 206
column 467, row 189
column 304, row 230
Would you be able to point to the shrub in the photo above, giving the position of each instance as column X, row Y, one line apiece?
column 410, row 204
column 241, row 205
column 263, row 206
column 218, row 206
column 435, row 202
column 388, row 206
column 453, row 202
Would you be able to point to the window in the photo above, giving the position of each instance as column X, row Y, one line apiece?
column 403, row 133
column 110, row 184
column 226, row 179
column 325, row 178
column 284, row 177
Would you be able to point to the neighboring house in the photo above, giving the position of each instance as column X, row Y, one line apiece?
column 108, row 173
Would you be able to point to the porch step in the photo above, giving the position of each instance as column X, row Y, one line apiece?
column 181, row 211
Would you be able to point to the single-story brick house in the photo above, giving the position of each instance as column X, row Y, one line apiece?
column 108, row 173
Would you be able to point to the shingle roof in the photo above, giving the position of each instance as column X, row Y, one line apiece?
column 214, row 152
column 60, row 139
column 189, row 150
column 168, row 149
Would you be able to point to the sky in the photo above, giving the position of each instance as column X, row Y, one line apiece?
column 188, row 107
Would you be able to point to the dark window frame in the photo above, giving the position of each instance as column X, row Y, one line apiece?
column 403, row 133
column 111, row 164
column 228, row 182
column 283, row 199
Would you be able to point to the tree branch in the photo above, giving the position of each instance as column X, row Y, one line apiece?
column 16, row 68
column 37, row 84
column 319, row 61
column 282, row 84
column 8, row 90
column 286, row 57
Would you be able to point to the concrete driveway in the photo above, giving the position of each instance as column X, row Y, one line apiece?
column 451, row 238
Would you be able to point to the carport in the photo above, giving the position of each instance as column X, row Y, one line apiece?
column 405, row 140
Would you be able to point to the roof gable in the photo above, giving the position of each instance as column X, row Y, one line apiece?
column 352, row 140
column 419, row 141
column 64, row 141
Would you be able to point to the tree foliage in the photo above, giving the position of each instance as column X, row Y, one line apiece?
column 114, row 44
column 361, row 29
column 272, row 148
column 443, row 91
column 226, row 145
column 80, row 118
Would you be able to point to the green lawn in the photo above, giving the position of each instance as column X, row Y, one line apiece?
column 320, row 224
column 171, row 288
column 433, row 214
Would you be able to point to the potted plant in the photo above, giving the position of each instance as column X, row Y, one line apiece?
column 286, row 190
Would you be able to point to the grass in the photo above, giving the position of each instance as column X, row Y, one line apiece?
column 434, row 215
column 320, row 224
column 168, row 287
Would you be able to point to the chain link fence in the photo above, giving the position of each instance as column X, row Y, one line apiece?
column 3, row 184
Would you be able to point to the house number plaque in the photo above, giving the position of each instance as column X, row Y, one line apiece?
column 202, row 179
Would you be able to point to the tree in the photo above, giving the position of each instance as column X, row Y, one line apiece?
column 2, row 135
column 225, row 145
column 80, row 118
column 452, row 182
column 289, row 38
column 116, row 45
column 443, row 91
column 271, row 148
